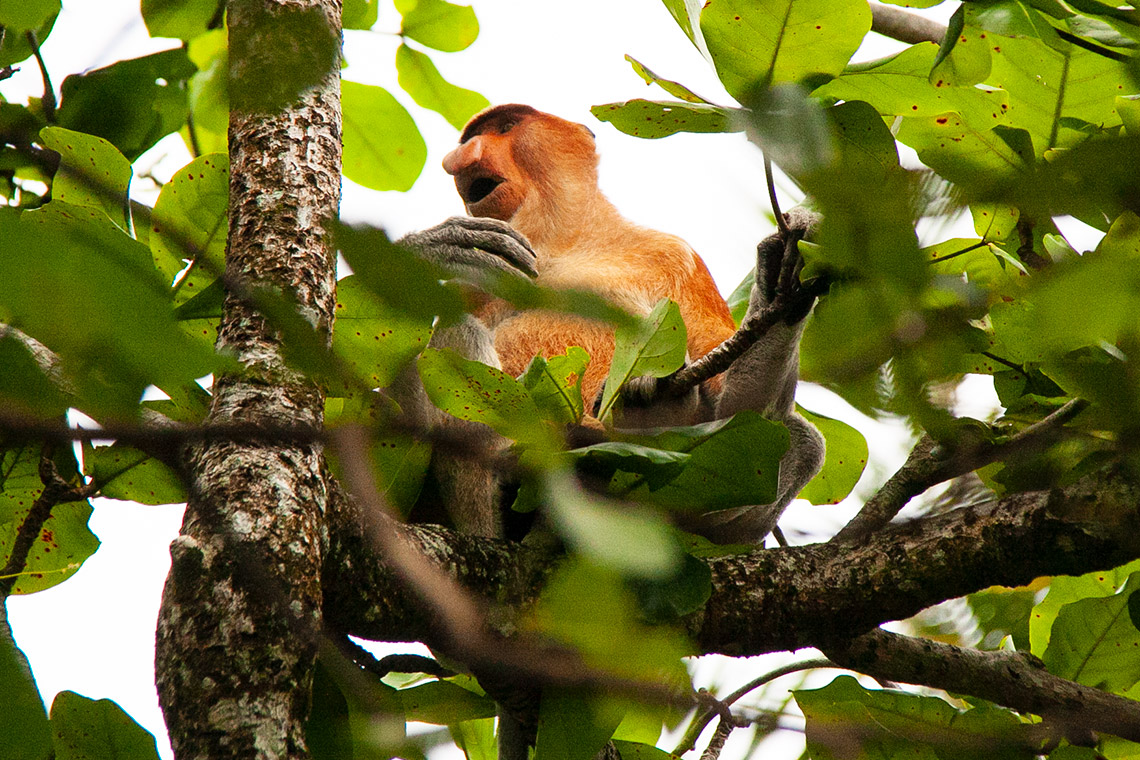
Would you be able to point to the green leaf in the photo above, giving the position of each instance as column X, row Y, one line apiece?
column 327, row 731
column 89, row 729
column 353, row 716
column 1129, row 111
column 572, row 726
column 656, row 346
column 669, row 599
column 1092, row 298
column 398, row 276
column 968, row 156
column 24, row 387
column 653, row 119
column 444, row 703
column 994, row 222
column 844, row 720
column 383, row 149
column 188, row 402
column 73, row 280
column 122, row 472
column 739, row 298
column 209, row 87
column 964, row 57
column 15, row 46
column 23, row 722
column 1094, row 642
column 792, row 130
column 64, row 541
column 438, row 24
column 92, row 173
column 978, row 262
column 616, row 536
column 587, row 607
column 473, row 391
column 675, row 89
column 844, row 461
column 476, row 738
column 899, row 85
column 639, row 751
column 1066, row 589
column 373, row 339
column 1001, row 613
column 132, row 104
column 914, row 3
column 181, row 19
column 27, row 14
column 360, row 14
column 685, row 13
column 716, row 465
column 555, row 384
column 189, row 225
column 1047, row 82
column 399, row 465
column 421, row 79
column 757, row 43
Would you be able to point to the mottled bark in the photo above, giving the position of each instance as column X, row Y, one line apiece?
column 780, row 599
column 1012, row 679
column 241, row 612
column 832, row 596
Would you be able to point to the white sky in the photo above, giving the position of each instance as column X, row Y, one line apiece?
column 94, row 633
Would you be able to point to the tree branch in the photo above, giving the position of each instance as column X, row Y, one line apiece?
column 900, row 25
column 783, row 599
column 924, row 469
column 1017, row 681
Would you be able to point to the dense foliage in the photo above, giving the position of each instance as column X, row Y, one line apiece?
column 1026, row 112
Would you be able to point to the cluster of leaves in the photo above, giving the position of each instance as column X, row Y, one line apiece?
column 1025, row 113
column 135, row 103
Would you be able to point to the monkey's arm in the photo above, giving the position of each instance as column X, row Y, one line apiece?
column 764, row 380
column 475, row 250
column 473, row 247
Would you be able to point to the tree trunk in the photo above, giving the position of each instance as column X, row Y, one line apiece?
column 241, row 611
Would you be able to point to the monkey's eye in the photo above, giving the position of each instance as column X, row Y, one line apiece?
column 507, row 125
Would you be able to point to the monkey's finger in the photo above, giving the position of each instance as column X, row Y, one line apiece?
column 487, row 224
column 506, row 247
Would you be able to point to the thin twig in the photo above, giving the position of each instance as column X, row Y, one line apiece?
column 701, row 720
column 780, row 221
column 723, row 729
column 48, row 99
column 999, row 360
column 721, row 358
column 923, row 469
column 56, row 490
column 955, row 254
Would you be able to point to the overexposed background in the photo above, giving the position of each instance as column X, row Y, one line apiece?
column 94, row 633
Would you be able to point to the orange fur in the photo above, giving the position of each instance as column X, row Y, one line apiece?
column 539, row 173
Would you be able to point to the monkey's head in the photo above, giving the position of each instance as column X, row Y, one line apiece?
column 512, row 158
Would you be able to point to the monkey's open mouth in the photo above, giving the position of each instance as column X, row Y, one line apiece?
column 479, row 188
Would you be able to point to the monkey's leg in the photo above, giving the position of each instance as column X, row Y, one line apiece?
column 764, row 380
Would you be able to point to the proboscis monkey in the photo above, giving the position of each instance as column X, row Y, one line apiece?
column 537, row 175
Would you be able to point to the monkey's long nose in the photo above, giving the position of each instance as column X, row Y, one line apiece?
column 465, row 155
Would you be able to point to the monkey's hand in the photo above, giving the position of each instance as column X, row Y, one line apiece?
column 778, row 267
column 472, row 248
